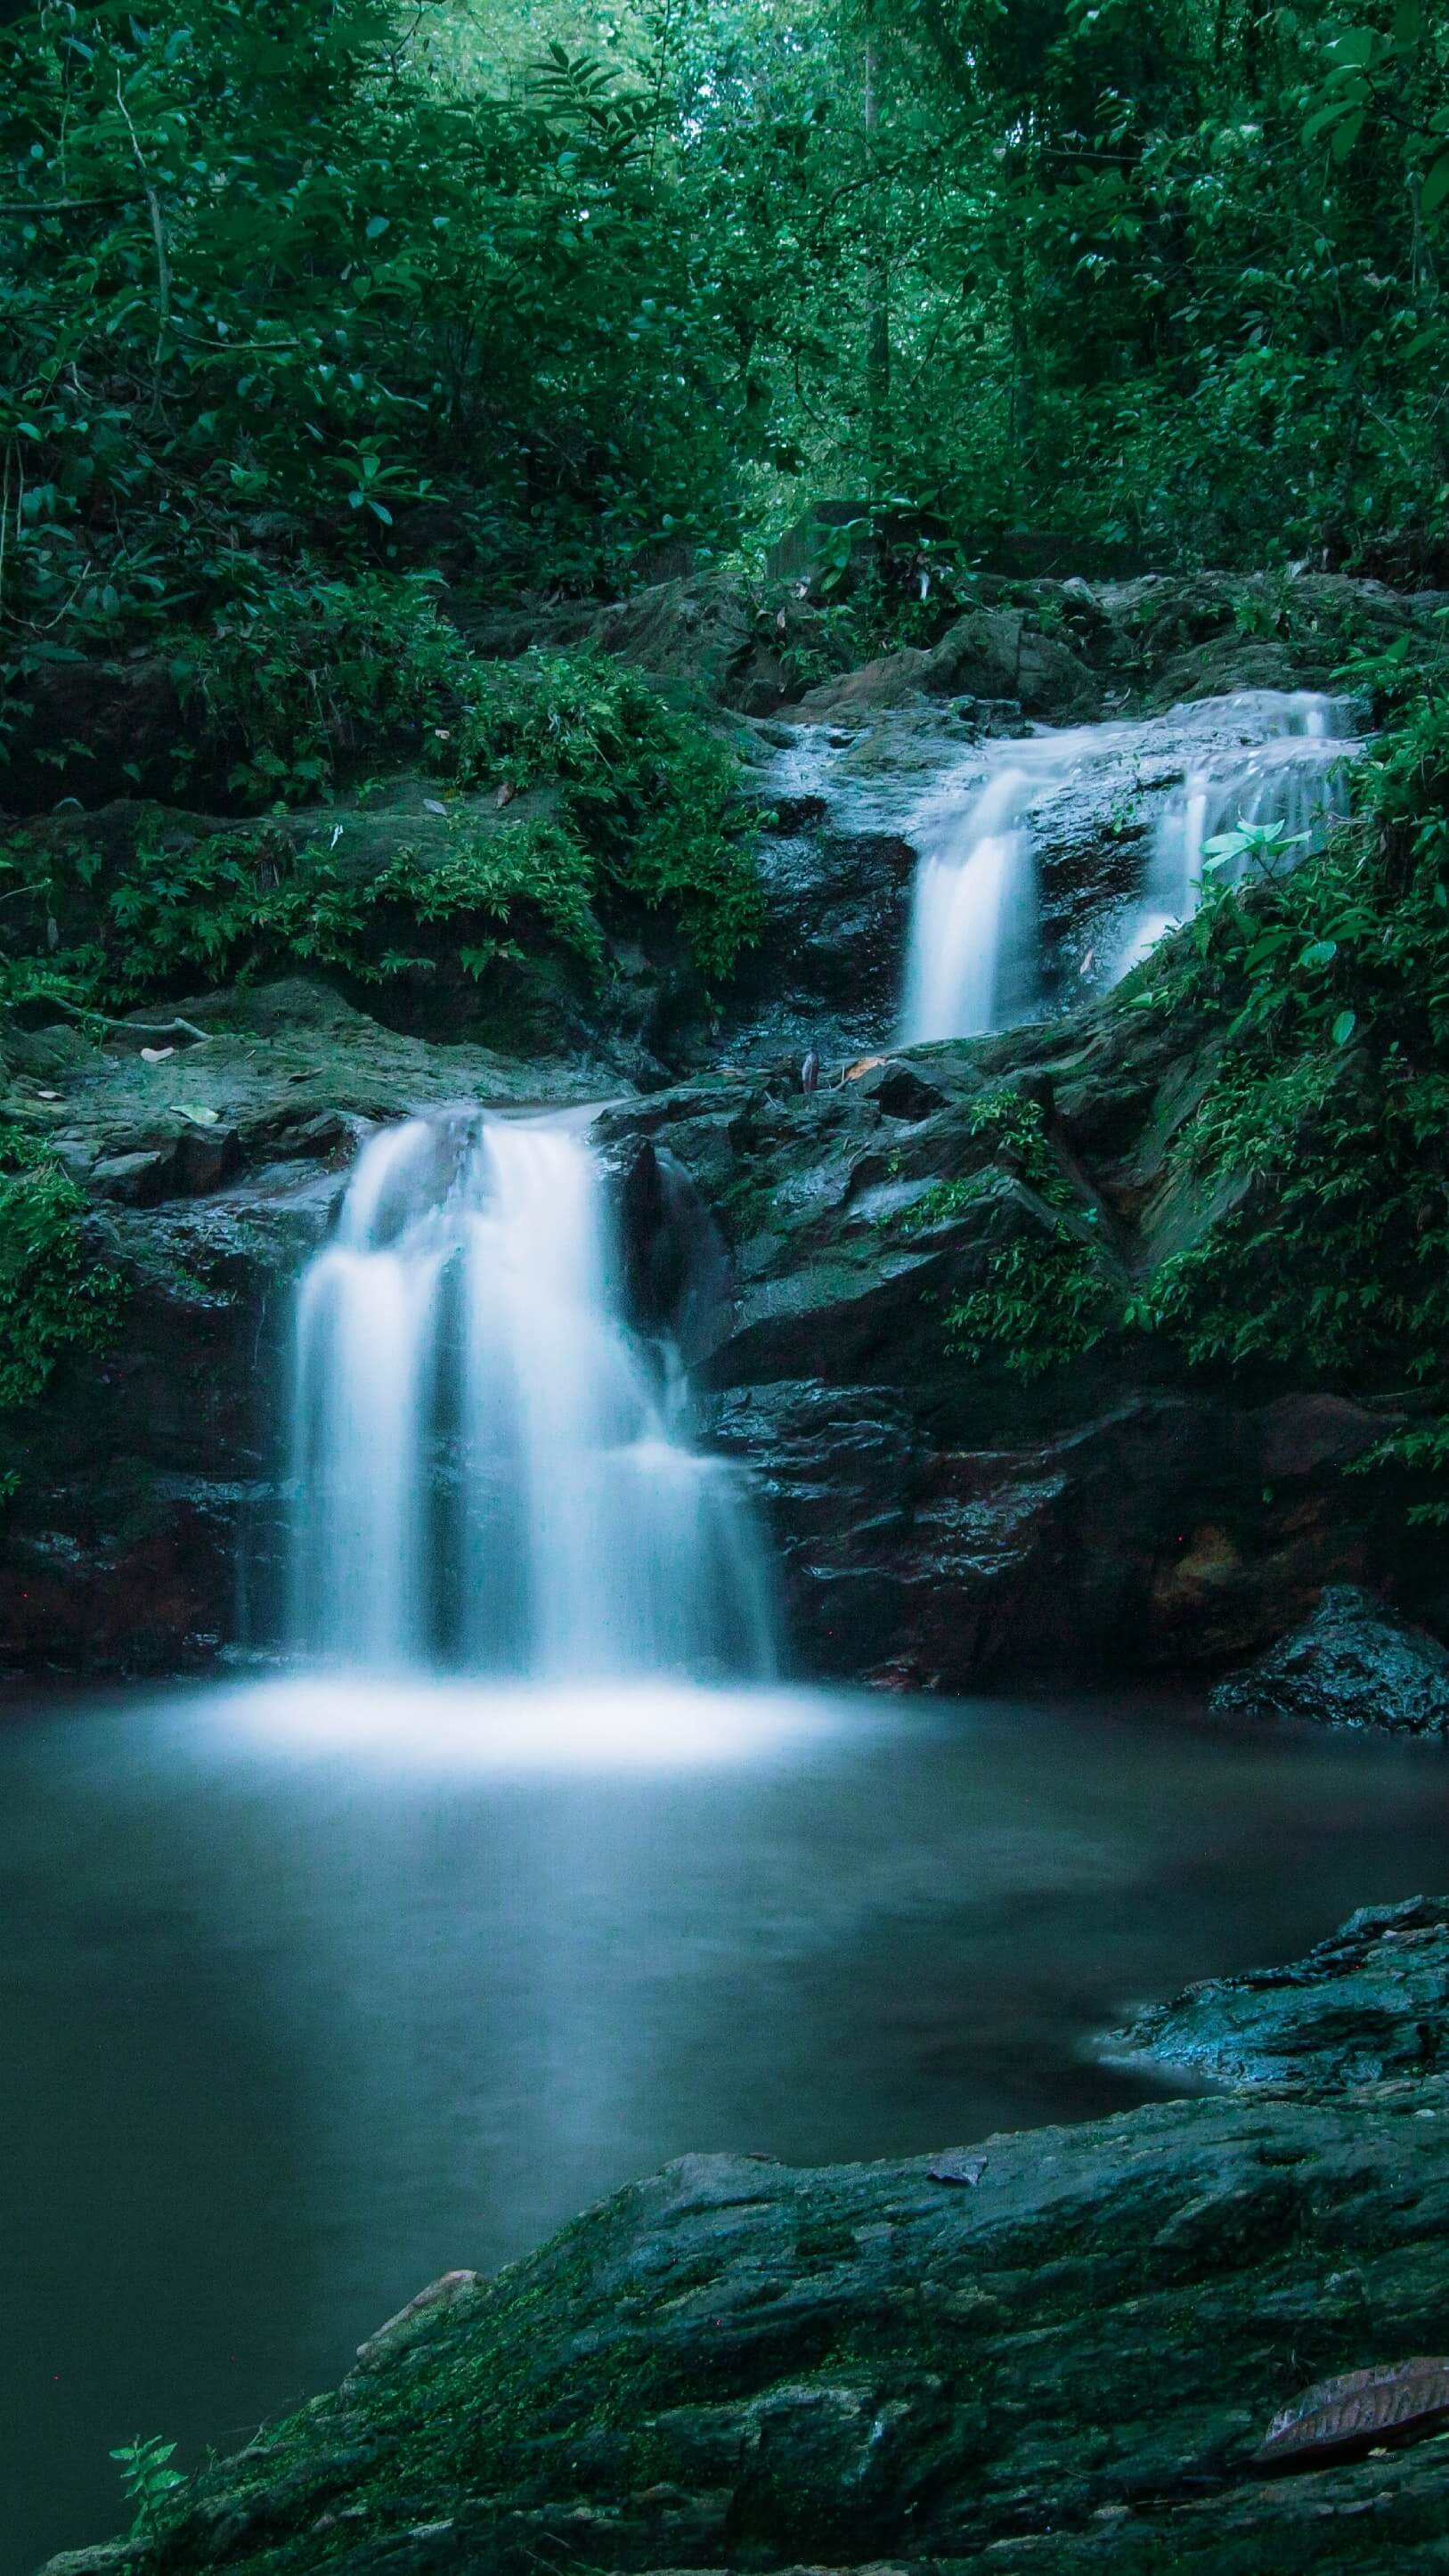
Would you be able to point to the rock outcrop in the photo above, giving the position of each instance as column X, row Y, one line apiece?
column 940, row 1519
column 1353, row 1663
column 1060, row 2352
column 1369, row 2005
column 142, row 1536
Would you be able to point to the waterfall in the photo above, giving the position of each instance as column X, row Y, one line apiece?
column 976, row 958
column 970, row 962
column 491, row 1470
column 1295, row 773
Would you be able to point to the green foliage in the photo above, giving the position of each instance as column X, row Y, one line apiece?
column 645, row 791
column 148, row 2480
column 55, row 1298
column 277, row 291
column 1047, row 1301
column 288, row 692
column 236, row 906
column 299, row 294
column 1330, row 987
column 647, row 815
column 1048, row 1295
column 1010, row 1128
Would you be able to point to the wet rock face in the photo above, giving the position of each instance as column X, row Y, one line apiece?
column 893, row 774
column 144, row 1534
column 1352, row 1664
column 1370, row 2003
column 1060, row 2350
column 937, row 1520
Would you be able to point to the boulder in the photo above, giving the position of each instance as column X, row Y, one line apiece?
column 945, row 1520
column 991, row 654
column 1354, row 1664
column 1370, row 2003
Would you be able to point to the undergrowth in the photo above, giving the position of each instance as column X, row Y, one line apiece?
column 297, row 702
column 1331, row 988
column 55, row 1297
column 1047, row 1295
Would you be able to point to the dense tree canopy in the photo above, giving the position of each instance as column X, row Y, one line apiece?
column 340, row 284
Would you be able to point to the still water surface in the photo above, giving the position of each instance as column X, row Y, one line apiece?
column 311, row 1992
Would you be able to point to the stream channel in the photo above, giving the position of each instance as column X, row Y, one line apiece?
column 521, row 1869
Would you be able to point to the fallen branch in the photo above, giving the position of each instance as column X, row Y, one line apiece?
column 136, row 1028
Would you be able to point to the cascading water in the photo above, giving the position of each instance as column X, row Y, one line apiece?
column 975, row 958
column 489, row 1465
column 970, row 960
column 1294, row 775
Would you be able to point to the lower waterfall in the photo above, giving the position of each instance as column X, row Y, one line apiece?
column 490, row 1468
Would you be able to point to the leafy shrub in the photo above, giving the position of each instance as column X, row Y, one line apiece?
column 1048, row 1296
column 54, row 1296
column 648, row 815
column 292, row 690
column 241, row 904
column 647, row 793
column 1046, row 1302
column 1330, row 1103
column 148, row 2480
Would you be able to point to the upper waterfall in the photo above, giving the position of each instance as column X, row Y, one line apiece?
column 490, row 1467
column 1294, row 774
column 975, row 957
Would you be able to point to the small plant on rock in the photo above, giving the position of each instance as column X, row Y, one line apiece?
column 148, row 2480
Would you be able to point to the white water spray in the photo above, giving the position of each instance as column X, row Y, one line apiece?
column 973, row 913
column 490, row 1467
column 1293, row 770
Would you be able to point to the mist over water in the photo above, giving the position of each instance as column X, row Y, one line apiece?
column 493, row 1471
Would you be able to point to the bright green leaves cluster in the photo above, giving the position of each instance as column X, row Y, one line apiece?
column 55, row 1297
column 148, row 2480
column 1047, row 1301
column 1048, row 1295
column 647, row 793
column 1381, row 77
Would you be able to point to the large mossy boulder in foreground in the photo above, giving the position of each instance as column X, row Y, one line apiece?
column 1059, row 2351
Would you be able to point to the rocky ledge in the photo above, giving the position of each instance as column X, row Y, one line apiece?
column 939, row 1520
column 1060, row 2351
column 943, row 1519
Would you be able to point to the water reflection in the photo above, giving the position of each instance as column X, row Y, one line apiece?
column 307, row 1998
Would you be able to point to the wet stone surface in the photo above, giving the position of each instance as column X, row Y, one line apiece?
column 1072, row 2363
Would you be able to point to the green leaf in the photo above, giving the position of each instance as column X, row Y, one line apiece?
column 377, row 225
column 1436, row 186
column 1321, row 119
column 1348, row 134
column 1319, row 952
column 1344, row 1026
